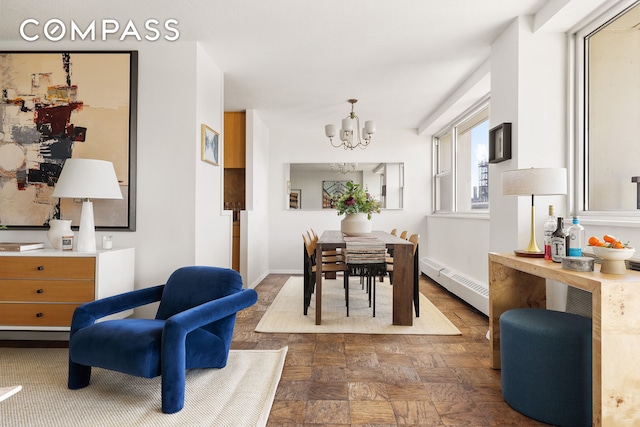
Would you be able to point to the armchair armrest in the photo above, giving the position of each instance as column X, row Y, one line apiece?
column 211, row 311
column 88, row 313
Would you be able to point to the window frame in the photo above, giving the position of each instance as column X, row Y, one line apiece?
column 451, row 128
column 578, row 76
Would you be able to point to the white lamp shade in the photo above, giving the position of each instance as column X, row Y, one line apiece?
column 369, row 127
column 347, row 124
column 366, row 136
column 87, row 179
column 330, row 131
column 534, row 181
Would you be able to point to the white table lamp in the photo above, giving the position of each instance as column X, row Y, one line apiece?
column 534, row 182
column 87, row 179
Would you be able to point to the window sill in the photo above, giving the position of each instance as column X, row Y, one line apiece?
column 461, row 215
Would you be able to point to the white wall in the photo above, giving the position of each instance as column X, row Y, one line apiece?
column 305, row 146
column 254, row 233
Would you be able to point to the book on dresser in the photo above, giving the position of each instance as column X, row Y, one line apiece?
column 20, row 246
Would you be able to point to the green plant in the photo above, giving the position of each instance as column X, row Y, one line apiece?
column 3, row 227
column 356, row 200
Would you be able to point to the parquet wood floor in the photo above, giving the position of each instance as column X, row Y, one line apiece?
column 384, row 380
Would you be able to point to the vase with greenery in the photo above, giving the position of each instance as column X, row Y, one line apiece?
column 357, row 205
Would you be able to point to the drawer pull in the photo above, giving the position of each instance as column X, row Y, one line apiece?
column 39, row 314
column 40, row 267
column 40, row 291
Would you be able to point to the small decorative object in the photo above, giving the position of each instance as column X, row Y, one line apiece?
column 67, row 243
column 209, row 145
column 107, row 242
column 358, row 205
column 613, row 260
column 500, row 143
column 612, row 252
column 577, row 263
column 57, row 229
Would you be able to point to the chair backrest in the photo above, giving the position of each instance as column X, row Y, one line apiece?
column 310, row 247
column 403, row 235
column 394, row 232
column 191, row 286
column 414, row 238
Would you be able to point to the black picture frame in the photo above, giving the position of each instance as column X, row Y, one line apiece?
column 62, row 79
column 500, row 143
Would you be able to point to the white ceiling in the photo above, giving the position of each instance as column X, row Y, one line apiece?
column 297, row 61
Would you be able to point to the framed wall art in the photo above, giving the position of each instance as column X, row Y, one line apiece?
column 332, row 190
column 295, row 199
column 210, row 145
column 62, row 104
column 500, row 143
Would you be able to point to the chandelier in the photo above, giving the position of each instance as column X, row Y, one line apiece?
column 343, row 168
column 347, row 138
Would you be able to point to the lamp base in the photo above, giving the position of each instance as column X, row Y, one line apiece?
column 526, row 254
column 87, row 229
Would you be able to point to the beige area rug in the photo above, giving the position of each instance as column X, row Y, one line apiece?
column 285, row 313
column 241, row 394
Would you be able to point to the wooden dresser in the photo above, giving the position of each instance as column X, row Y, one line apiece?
column 40, row 289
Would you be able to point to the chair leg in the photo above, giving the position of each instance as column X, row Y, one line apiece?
column 346, row 288
column 79, row 375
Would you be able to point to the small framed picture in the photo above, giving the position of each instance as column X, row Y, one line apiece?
column 210, row 145
column 67, row 243
column 295, row 199
column 500, row 143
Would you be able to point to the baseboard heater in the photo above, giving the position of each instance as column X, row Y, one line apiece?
column 470, row 290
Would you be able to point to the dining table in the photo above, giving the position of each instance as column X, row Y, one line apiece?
column 403, row 272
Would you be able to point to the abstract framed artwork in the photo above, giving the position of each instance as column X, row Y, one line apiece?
column 62, row 104
column 330, row 191
column 210, row 145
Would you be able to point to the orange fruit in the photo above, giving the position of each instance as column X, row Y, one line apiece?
column 593, row 241
column 618, row 245
column 609, row 238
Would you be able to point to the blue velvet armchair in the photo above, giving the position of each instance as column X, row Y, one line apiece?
column 192, row 328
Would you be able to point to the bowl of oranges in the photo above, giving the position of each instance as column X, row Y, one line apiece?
column 612, row 252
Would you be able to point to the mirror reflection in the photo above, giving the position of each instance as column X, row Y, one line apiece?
column 311, row 185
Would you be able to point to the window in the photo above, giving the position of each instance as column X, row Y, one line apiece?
column 461, row 152
column 609, row 122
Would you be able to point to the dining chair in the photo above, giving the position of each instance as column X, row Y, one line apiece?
column 310, row 269
column 403, row 235
column 394, row 232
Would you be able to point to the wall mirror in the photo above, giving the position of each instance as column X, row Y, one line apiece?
column 311, row 185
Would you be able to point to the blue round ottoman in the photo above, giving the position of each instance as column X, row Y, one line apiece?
column 546, row 365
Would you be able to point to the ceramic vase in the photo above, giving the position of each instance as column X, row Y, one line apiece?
column 57, row 229
column 355, row 224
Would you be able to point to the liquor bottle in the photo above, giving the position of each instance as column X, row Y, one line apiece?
column 549, row 228
column 558, row 242
column 576, row 237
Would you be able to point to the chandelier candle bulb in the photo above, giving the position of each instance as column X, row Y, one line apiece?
column 330, row 131
column 369, row 127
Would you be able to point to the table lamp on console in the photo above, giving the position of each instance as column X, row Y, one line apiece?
column 534, row 182
column 87, row 179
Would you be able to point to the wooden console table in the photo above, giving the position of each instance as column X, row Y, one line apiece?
column 520, row 282
column 402, row 273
